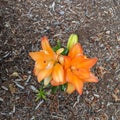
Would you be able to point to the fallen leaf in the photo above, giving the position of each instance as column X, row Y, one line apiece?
column 12, row 88
column 14, row 74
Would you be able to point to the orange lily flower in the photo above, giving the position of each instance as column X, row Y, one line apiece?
column 48, row 64
column 77, row 69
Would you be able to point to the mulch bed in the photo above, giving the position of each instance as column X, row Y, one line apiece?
column 24, row 22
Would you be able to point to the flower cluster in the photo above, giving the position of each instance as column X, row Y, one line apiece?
column 58, row 67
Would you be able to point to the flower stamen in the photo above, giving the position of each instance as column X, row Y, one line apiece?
column 59, row 51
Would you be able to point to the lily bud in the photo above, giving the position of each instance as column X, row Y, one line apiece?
column 73, row 39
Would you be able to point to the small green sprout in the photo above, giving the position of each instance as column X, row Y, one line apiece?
column 41, row 94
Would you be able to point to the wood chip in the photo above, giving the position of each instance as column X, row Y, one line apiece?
column 1, row 99
column 20, row 86
column 5, row 88
column 39, row 105
column 115, row 97
column 34, row 88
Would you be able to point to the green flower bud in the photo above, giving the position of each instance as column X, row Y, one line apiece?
column 73, row 39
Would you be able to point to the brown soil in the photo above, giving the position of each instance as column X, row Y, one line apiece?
column 24, row 22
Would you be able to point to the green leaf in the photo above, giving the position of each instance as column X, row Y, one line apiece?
column 63, row 87
column 54, row 89
column 44, row 97
column 65, row 52
column 57, row 46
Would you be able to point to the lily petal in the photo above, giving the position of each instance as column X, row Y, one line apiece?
column 75, row 50
column 89, row 63
column 43, row 74
column 58, row 74
column 36, row 55
column 75, row 81
column 46, row 46
column 36, row 71
column 67, row 62
column 82, row 73
column 92, row 78
column 40, row 65
column 78, row 59
column 61, row 59
column 40, row 56
column 50, row 65
column 70, row 88
column 47, row 80
column 54, row 83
